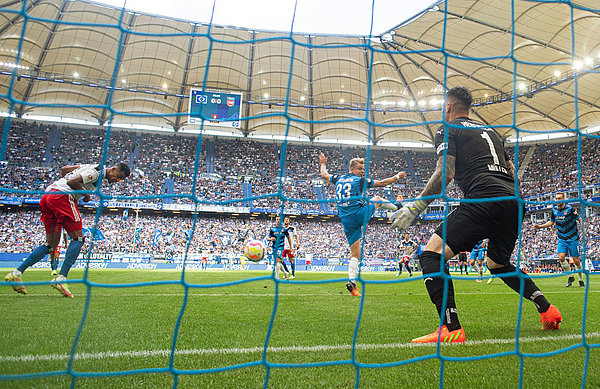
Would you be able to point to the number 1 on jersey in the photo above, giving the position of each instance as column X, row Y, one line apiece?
column 486, row 136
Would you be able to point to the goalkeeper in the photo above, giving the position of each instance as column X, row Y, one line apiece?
column 474, row 156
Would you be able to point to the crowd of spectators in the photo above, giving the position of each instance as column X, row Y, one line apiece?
column 218, row 174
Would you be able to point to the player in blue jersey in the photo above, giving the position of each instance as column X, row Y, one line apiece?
column 565, row 218
column 354, row 210
column 277, row 237
column 477, row 257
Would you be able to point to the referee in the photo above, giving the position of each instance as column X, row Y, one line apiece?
column 474, row 157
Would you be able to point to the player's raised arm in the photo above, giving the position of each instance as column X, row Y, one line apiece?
column 389, row 180
column 324, row 173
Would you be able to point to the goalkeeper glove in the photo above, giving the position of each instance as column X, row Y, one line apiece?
column 406, row 215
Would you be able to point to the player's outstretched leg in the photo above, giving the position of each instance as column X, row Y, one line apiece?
column 15, row 276
column 550, row 315
column 71, row 255
column 383, row 203
column 352, row 274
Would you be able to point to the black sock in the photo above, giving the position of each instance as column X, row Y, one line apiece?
column 530, row 290
column 430, row 263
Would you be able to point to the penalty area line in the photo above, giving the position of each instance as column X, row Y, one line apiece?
column 284, row 349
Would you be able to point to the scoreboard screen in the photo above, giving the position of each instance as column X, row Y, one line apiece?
column 223, row 109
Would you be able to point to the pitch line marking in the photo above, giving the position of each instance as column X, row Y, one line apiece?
column 251, row 350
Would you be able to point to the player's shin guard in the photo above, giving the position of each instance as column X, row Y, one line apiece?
column 430, row 263
column 530, row 290
column 71, row 256
column 353, row 269
column 37, row 255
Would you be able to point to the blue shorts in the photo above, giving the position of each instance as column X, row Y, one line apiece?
column 354, row 224
column 477, row 254
column 569, row 247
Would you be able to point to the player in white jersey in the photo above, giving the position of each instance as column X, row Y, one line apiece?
column 407, row 248
column 291, row 244
column 59, row 210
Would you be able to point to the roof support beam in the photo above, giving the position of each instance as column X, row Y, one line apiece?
column 410, row 92
column 184, row 80
column 104, row 115
column 369, row 107
column 311, row 110
column 504, row 30
column 21, row 109
column 11, row 22
column 248, row 97
column 502, row 69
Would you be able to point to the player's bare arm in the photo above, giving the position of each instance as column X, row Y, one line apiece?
column 76, row 183
column 389, row 180
column 511, row 170
column 434, row 185
column 67, row 169
column 324, row 173
column 545, row 225
column 404, row 217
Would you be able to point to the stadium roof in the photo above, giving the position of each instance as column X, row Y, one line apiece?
column 78, row 59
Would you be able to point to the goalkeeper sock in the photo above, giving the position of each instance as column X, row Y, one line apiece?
column 71, row 256
column 530, row 289
column 353, row 269
column 565, row 265
column 37, row 255
column 430, row 262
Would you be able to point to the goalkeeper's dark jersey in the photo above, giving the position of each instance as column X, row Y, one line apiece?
column 481, row 168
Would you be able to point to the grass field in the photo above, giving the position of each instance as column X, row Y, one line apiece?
column 132, row 328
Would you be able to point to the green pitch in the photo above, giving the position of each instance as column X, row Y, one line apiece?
column 132, row 328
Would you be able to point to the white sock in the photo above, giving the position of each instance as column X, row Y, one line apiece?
column 353, row 269
column 579, row 275
column 385, row 204
column 60, row 277
column 476, row 267
column 565, row 265
column 481, row 270
column 17, row 273
column 277, row 266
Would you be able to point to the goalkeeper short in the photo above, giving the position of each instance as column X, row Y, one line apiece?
column 472, row 222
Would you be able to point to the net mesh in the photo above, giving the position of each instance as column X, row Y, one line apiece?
column 102, row 194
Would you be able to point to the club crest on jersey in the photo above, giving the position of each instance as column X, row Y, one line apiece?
column 90, row 176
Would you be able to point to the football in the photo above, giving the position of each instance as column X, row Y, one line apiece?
column 254, row 250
